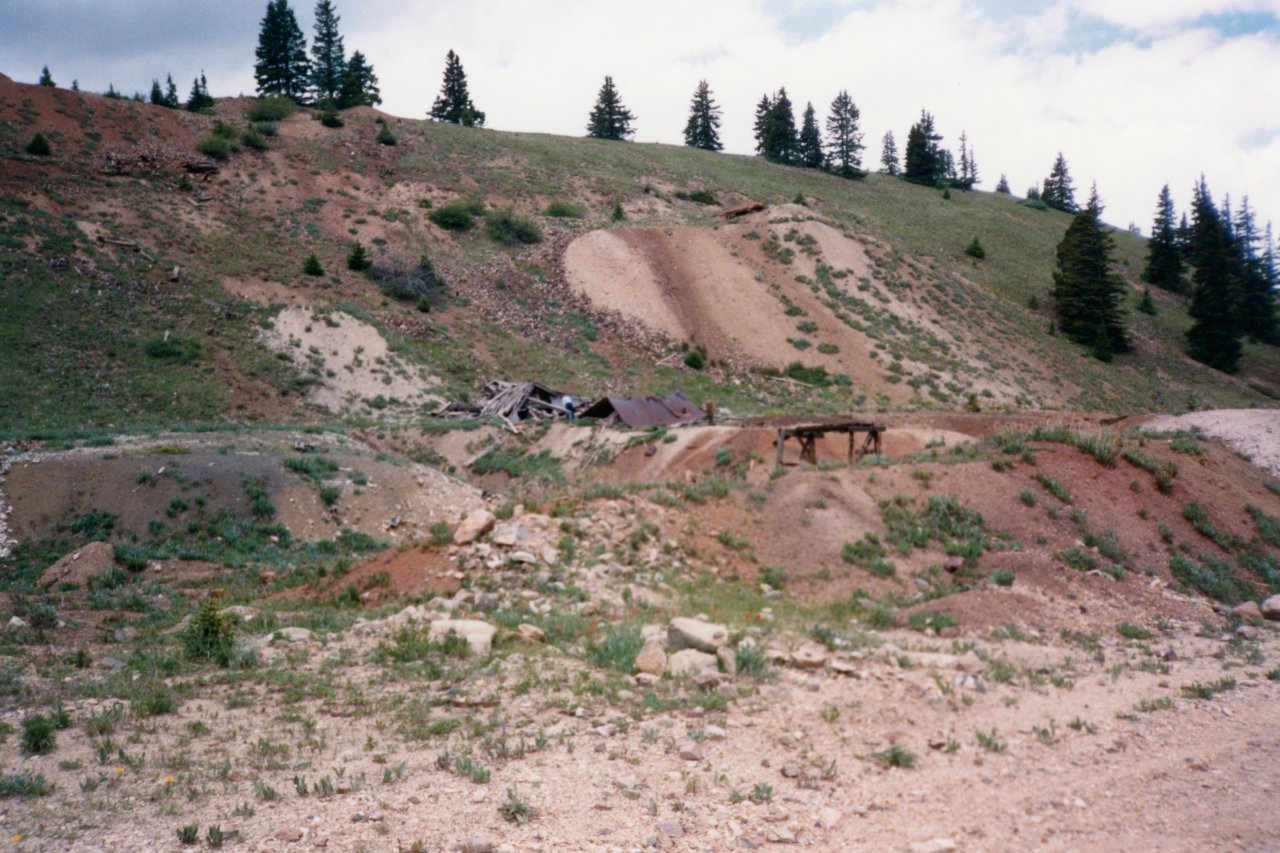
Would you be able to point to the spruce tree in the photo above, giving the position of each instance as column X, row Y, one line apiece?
column 454, row 104
column 1003, row 185
column 967, row 175
column 780, row 138
column 1058, row 192
column 924, row 161
column 46, row 79
column 889, row 154
column 759, row 128
column 1257, row 299
column 1164, row 257
column 1088, row 295
column 171, row 93
column 609, row 119
column 282, row 68
column 199, row 99
column 359, row 84
column 844, row 138
column 328, row 56
column 703, row 128
column 809, row 141
column 1214, row 338
column 157, row 94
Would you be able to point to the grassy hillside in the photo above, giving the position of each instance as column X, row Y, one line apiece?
column 97, row 331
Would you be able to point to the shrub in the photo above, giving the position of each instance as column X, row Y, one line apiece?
column 274, row 108
column 695, row 359
column 411, row 285
column 131, row 557
column 508, row 228
column 312, row 265
column 457, row 215
column 618, row 214
column 975, row 250
column 565, row 210
column 223, row 130
column 24, row 784
column 266, row 128
column 210, row 635
column 39, row 146
column 38, row 736
column 358, row 257
column 699, row 196
column 252, row 139
column 329, row 117
column 215, row 147
column 385, row 136
column 617, row 650
column 174, row 346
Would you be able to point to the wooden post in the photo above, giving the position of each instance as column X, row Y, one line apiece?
column 782, row 437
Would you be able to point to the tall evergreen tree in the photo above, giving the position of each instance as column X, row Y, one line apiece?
column 1058, row 192
column 1003, row 185
column 1257, row 299
column 1214, row 338
column 454, row 103
column 844, row 137
column 609, row 119
column 889, row 154
column 282, row 68
column 968, row 173
column 778, row 140
column 759, row 128
column 328, row 56
column 46, row 79
column 924, row 162
column 171, row 93
column 703, row 128
column 199, row 99
column 1164, row 257
column 359, row 84
column 1088, row 295
column 809, row 141
column 157, row 94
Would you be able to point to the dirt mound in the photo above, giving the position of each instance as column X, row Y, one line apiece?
column 81, row 565
column 1253, row 433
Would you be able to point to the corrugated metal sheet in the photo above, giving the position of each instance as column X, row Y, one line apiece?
column 646, row 412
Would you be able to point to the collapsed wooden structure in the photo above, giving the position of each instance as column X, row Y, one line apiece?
column 809, row 434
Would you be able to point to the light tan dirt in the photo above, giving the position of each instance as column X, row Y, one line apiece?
column 1253, row 433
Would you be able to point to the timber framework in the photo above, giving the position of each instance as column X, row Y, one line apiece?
column 808, row 437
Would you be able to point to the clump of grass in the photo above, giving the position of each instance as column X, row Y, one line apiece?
column 506, row 227
column 275, row 108
column 1161, row 469
column 990, row 741
column 897, row 755
column 752, row 661
column 38, row 735
column 457, row 215
column 565, row 210
column 1130, row 631
column 1205, row 526
column 24, row 784
column 1196, row 690
column 1055, row 488
column 617, row 650
column 1002, row 577
column 473, row 771
column 516, row 809
column 189, row 834
column 214, row 147
column 1212, row 577
column 923, row 620
column 1147, row 706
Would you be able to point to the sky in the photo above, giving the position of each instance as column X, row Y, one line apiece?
column 1134, row 93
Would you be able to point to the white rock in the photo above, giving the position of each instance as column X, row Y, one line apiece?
column 829, row 818
column 933, row 845
column 531, row 633
column 728, row 660
column 479, row 635
column 691, row 662
column 507, row 535
column 477, row 523
column 1271, row 608
column 685, row 633
column 810, row 656
column 652, row 659
column 716, row 733
column 292, row 635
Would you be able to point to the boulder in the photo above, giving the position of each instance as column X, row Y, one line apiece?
column 507, row 535
column 80, row 565
column 691, row 662
column 685, row 633
column 728, row 660
column 933, row 845
column 652, row 659
column 477, row 523
column 810, row 656
column 1249, row 611
column 531, row 633
column 479, row 635
column 1271, row 608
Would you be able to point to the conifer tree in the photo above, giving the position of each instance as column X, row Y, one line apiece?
column 703, row 128
column 1088, row 295
column 282, row 68
column 328, row 56
column 157, row 94
column 809, row 141
column 1057, row 191
column 171, row 93
column 1164, row 258
column 924, row 162
column 844, row 137
column 199, row 99
column 968, row 173
column 454, row 103
column 1257, row 299
column 1003, row 185
column 889, row 154
column 359, row 84
column 1214, row 338
column 46, row 79
column 776, row 128
column 609, row 119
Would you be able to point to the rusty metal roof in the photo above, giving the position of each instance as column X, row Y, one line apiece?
column 645, row 412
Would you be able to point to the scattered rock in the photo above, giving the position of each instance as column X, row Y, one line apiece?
column 970, row 663
column 691, row 662
column 507, row 535
column 716, row 733
column 810, row 656
column 829, row 818
column 670, row 828
column 685, row 633
column 933, row 845
column 81, row 565
column 476, row 524
column 1249, row 611
column 652, row 659
column 522, row 557
column 290, row 836
column 241, row 612
column 1271, row 608
column 708, row 680
column 290, row 635
column 531, row 633
column 477, row 845
column 728, row 660
column 16, row 623
column 781, row 835
column 690, row 750
column 479, row 635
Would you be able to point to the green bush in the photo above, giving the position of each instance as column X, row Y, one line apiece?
column 175, row 346
column 385, row 136
column 975, row 250
column 358, row 257
column 412, row 285
column 565, row 210
column 223, row 130
column 695, row 359
column 618, row 214
column 254, row 140
column 210, row 636
column 266, row 128
column 24, row 784
column 38, row 736
column 509, row 229
column 312, row 265
column 274, row 108
column 131, row 557
column 39, row 146
column 329, row 117
column 215, row 147
column 457, row 215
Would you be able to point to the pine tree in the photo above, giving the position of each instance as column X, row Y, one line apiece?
column 759, row 128
column 703, row 128
column 1058, row 192
column 454, row 104
column 809, row 141
column 46, row 79
column 924, row 162
column 171, row 93
column 199, row 99
column 609, row 119
column 112, row 93
column 157, row 94
column 359, row 84
column 778, row 140
column 358, row 257
column 1257, row 300
column 1003, row 185
column 75, row 85
column 282, row 68
column 1214, row 338
column 844, row 138
column 968, row 173
column 328, row 56
column 1164, row 258
column 311, row 266
column 1088, row 296
column 889, row 155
